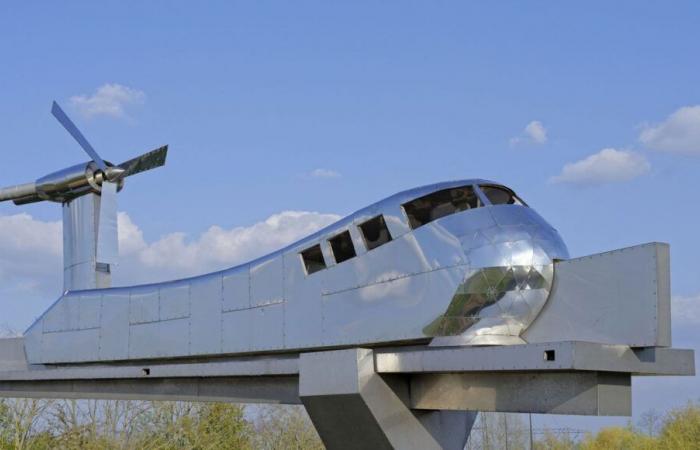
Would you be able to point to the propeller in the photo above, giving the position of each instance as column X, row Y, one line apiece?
column 107, row 232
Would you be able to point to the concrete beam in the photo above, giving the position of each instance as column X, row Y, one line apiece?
column 544, row 357
column 269, row 389
column 583, row 393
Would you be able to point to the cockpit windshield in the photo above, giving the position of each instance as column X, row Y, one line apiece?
column 440, row 204
column 499, row 195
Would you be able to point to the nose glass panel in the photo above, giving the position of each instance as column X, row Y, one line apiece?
column 507, row 281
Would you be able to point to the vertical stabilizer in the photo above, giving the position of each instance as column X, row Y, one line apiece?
column 80, row 230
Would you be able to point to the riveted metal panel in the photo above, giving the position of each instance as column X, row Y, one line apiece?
column 439, row 248
column 464, row 224
column 89, row 314
column 144, row 305
column 238, row 331
column 63, row 315
column 32, row 344
column 71, row 305
column 159, row 339
column 114, row 333
column 610, row 298
column 390, row 311
column 396, row 259
column 268, row 328
column 266, row 282
column 175, row 301
column 236, row 289
column 70, row 346
column 205, row 320
column 303, row 307
column 345, row 275
column 55, row 319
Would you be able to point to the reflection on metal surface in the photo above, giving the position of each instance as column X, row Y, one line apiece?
column 471, row 277
column 507, row 282
column 517, row 292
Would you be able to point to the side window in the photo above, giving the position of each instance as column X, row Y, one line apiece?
column 440, row 204
column 501, row 196
column 342, row 247
column 313, row 259
column 375, row 232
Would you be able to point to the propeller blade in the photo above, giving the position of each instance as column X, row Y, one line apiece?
column 147, row 161
column 77, row 135
column 107, row 234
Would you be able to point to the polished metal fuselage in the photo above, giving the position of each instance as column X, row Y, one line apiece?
column 479, row 276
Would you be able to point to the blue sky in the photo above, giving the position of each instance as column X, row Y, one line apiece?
column 325, row 107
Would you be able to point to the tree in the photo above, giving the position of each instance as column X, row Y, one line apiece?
column 284, row 427
column 681, row 428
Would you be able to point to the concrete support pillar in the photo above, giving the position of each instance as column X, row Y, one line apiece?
column 352, row 407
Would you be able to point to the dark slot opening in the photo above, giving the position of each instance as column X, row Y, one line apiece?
column 440, row 204
column 342, row 247
column 549, row 355
column 313, row 259
column 375, row 232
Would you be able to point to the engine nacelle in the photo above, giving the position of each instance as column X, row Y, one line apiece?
column 61, row 186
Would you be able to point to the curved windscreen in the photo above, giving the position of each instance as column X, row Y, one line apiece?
column 499, row 195
column 440, row 204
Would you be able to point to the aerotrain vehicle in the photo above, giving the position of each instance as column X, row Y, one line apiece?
column 464, row 262
column 458, row 263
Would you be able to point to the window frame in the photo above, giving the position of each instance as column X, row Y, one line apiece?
column 475, row 189
column 364, row 238
column 486, row 199
column 352, row 245
column 303, row 260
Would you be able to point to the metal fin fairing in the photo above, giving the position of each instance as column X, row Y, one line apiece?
column 409, row 289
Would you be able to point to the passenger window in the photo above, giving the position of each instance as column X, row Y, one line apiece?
column 440, row 204
column 313, row 259
column 501, row 196
column 375, row 232
column 342, row 247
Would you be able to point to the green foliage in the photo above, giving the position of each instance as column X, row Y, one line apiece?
column 125, row 425
column 681, row 429
column 284, row 427
column 193, row 426
column 552, row 441
column 619, row 438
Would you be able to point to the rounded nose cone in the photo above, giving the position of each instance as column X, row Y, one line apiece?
column 509, row 278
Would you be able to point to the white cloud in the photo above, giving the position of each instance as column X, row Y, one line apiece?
column 686, row 310
column 607, row 166
column 534, row 132
column 174, row 255
column 109, row 100
column 31, row 251
column 679, row 133
column 324, row 173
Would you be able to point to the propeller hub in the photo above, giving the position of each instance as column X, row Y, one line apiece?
column 114, row 173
